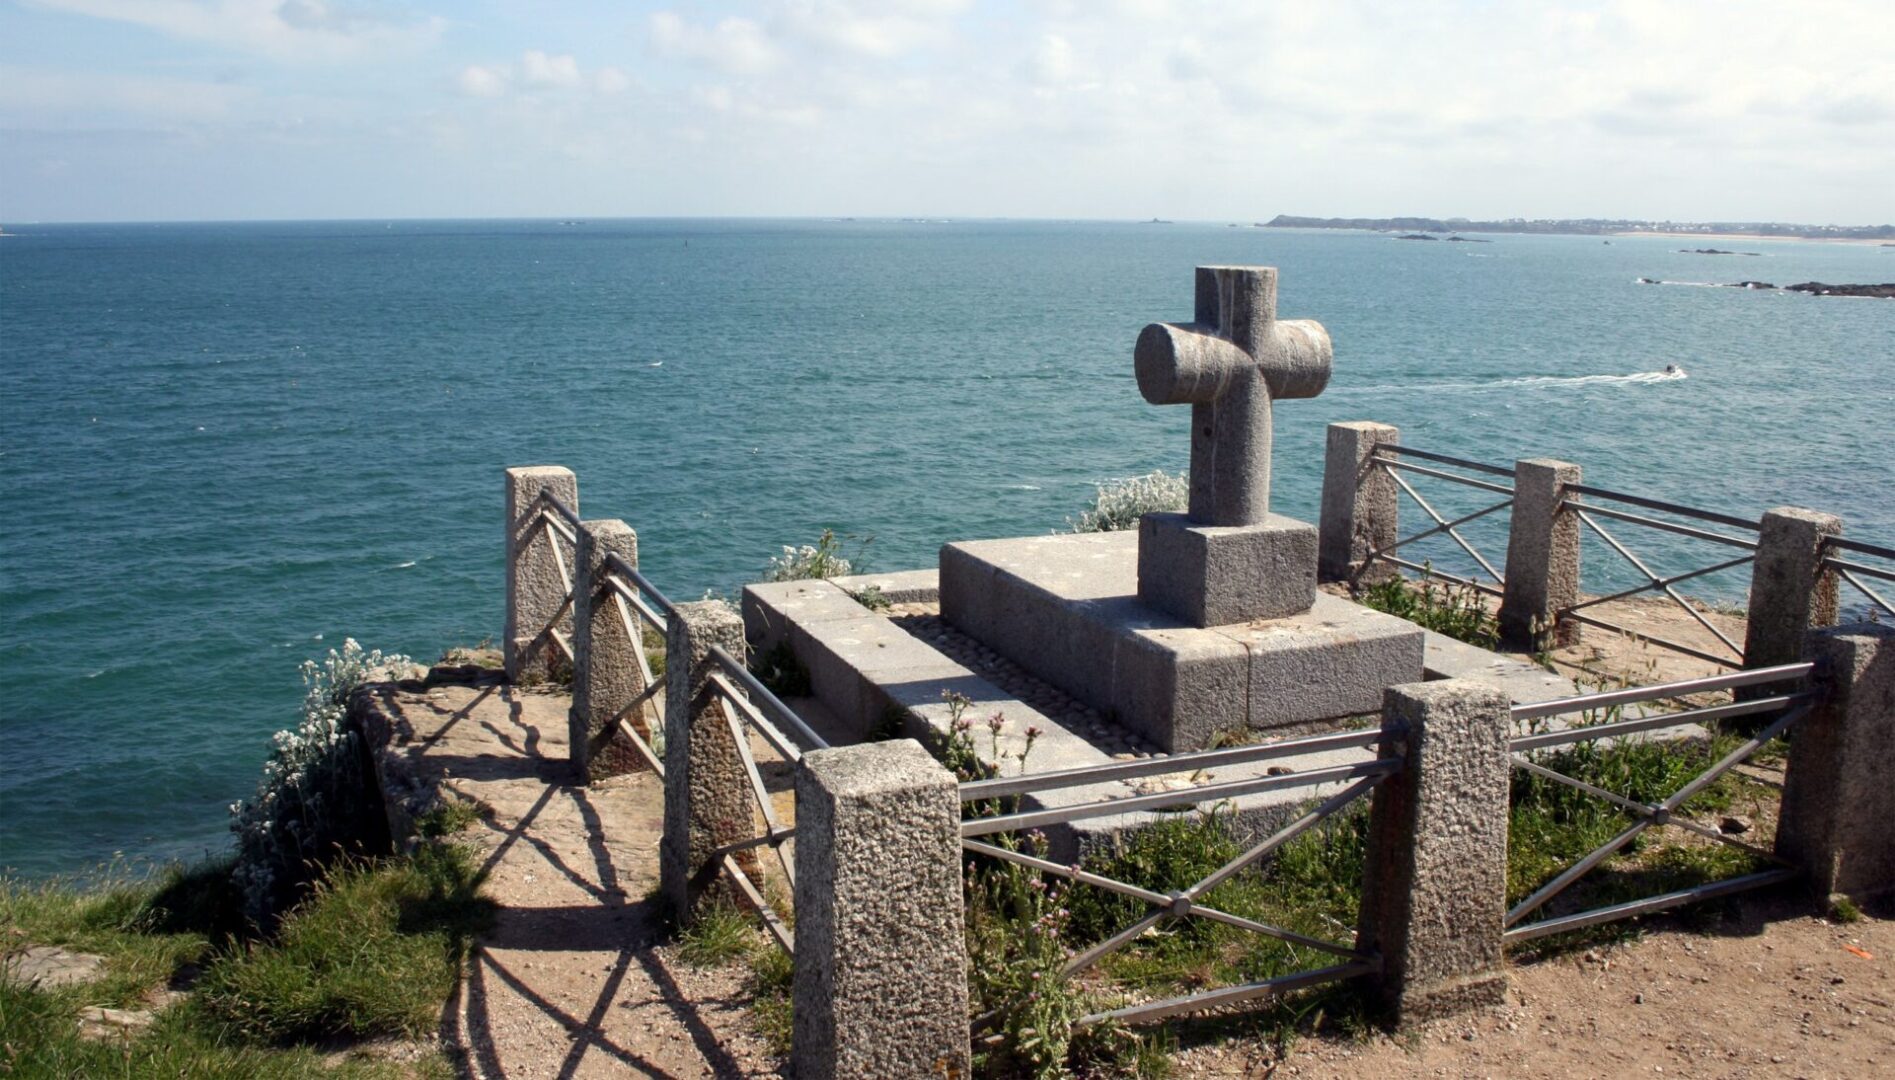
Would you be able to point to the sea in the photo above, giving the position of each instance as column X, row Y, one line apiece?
column 225, row 448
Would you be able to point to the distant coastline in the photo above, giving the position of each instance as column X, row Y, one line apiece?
column 1721, row 230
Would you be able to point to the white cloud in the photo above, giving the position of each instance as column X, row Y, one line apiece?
column 540, row 69
column 1053, row 61
column 288, row 30
column 611, row 80
column 483, row 82
column 734, row 46
column 40, row 95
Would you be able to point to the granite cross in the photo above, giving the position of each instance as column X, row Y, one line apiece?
column 1230, row 364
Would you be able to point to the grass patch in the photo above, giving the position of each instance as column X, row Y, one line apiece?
column 719, row 934
column 1452, row 610
column 448, row 816
column 374, row 951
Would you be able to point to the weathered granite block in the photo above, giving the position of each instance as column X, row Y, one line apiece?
column 1332, row 661
column 1360, row 510
column 1216, row 575
column 1839, row 783
column 1434, row 893
column 535, row 589
column 1542, row 558
column 1181, row 687
column 770, row 608
column 1790, row 591
column 707, row 792
column 606, row 670
column 880, row 984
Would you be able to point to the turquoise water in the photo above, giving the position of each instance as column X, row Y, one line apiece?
column 223, row 448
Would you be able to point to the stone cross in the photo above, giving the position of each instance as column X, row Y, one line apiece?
column 1230, row 364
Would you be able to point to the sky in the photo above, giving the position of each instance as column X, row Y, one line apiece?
column 1689, row 110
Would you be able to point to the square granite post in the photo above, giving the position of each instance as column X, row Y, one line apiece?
column 606, row 674
column 1542, row 558
column 880, row 984
column 1839, row 782
column 534, row 588
column 1359, row 502
column 707, row 792
column 1790, row 592
column 1434, row 894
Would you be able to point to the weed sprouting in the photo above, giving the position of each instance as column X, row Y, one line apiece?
column 1454, row 610
column 826, row 558
column 1119, row 504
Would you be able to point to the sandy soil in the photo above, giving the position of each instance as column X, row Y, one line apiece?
column 1769, row 992
column 576, row 980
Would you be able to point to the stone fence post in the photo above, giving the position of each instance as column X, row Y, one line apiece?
column 1434, row 894
column 606, row 674
column 534, row 587
column 1359, row 502
column 880, row 984
column 1790, row 592
column 1839, row 781
column 1542, row 558
column 707, row 792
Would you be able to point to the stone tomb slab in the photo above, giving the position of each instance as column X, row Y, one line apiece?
column 1065, row 608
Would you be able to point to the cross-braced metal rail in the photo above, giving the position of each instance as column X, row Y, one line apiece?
column 636, row 598
column 1793, row 707
column 1387, row 459
column 1852, row 570
column 745, row 702
column 1361, row 777
column 1589, row 513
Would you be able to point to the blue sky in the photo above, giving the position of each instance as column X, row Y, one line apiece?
column 237, row 109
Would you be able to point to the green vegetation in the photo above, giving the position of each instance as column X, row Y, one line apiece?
column 825, row 558
column 313, row 805
column 1119, row 504
column 1022, row 925
column 721, row 934
column 1454, row 610
column 872, row 598
column 373, row 950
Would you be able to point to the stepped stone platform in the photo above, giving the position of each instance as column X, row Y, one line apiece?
column 1067, row 608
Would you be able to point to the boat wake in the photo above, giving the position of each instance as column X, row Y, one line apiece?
column 1671, row 373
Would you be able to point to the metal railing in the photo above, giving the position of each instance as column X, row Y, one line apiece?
column 633, row 593
column 556, row 522
column 1649, row 815
column 1589, row 513
column 1853, row 571
column 1362, row 776
column 745, row 702
column 1387, row 458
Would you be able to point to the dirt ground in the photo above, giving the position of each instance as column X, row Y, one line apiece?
column 1769, row 991
column 576, row 979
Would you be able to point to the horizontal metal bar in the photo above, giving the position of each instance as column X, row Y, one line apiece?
column 1626, row 910
column 1658, row 583
column 1874, row 597
column 1162, row 766
column 1445, row 526
column 617, row 564
column 1620, row 728
column 1438, row 474
column 1654, row 523
column 771, row 837
column 1666, row 507
column 637, row 599
column 779, row 932
column 1674, row 646
column 1660, row 691
column 1282, row 984
column 1477, row 586
column 761, row 695
column 1033, row 819
column 554, row 503
column 553, row 523
column 1071, row 873
column 778, row 742
column 1872, row 571
column 1280, row 934
column 1860, row 547
column 1477, row 466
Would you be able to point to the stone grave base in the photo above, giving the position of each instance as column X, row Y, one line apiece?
column 1065, row 607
